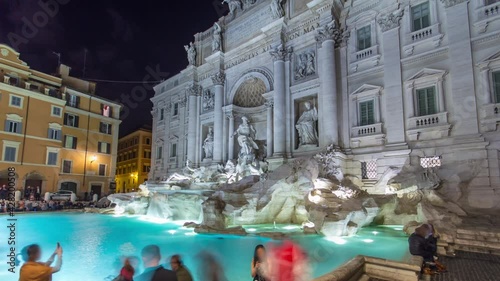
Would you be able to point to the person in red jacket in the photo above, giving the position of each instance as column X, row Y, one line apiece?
column 127, row 271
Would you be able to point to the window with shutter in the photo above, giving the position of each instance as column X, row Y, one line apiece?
column 10, row 154
column 173, row 152
column 426, row 100
column 420, row 16
column 102, row 169
column 52, row 158
column 159, row 152
column 67, row 166
column 367, row 113
column 364, row 36
column 496, row 86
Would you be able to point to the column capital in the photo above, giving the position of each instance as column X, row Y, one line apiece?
column 330, row 31
column 183, row 102
column 219, row 78
column 280, row 53
column 229, row 114
column 193, row 90
column 391, row 20
column 450, row 3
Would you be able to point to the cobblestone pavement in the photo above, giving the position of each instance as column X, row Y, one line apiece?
column 470, row 267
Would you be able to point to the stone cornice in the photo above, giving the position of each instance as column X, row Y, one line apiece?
column 450, row 3
column 391, row 20
column 329, row 31
column 218, row 78
column 280, row 53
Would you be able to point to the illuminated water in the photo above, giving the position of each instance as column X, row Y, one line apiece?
column 92, row 243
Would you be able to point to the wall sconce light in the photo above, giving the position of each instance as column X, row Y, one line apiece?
column 92, row 159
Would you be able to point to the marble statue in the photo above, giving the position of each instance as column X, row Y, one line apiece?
column 306, row 126
column 208, row 100
column 246, row 135
column 217, row 38
column 191, row 53
column 277, row 8
column 233, row 5
column 208, row 144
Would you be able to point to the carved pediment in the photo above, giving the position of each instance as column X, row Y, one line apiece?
column 10, row 54
column 427, row 73
column 492, row 58
column 159, row 141
column 173, row 138
column 367, row 88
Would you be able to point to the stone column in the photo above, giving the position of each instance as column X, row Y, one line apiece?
column 193, row 92
column 218, row 80
column 280, row 54
column 327, row 36
column 230, row 145
column 464, row 117
column 394, row 124
column 270, row 105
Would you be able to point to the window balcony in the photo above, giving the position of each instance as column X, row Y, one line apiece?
column 367, row 130
column 364, row 54
column 490, row 114
column 428, row 127
column 429, row 37
column 486, row 14
column 369, row 135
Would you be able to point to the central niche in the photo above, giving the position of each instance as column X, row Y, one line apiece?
column 250, row 92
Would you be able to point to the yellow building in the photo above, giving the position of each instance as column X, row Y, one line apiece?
column 134, row 160
column 54, row 130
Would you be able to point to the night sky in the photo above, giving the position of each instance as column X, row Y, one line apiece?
column 125, row 40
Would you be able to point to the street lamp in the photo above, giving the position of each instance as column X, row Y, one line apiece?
column 92, row 159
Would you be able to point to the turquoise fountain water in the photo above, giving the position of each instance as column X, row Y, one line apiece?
column 92, row 243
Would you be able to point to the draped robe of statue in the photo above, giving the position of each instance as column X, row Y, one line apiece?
column 246, row 135
column 208, row 144
column 306, row 126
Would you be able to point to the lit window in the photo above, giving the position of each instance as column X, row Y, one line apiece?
column 420, row 16
column 364, row 36
column 72, row 100
column 71, row 120
column 426, row 101
column 70, row 142
column 430, row 162
column 104, row 148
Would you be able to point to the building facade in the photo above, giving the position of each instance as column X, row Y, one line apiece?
column 134, row 160
column 57, row 133
column 393, row 84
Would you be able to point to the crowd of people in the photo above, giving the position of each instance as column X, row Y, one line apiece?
column 423, row 242
column 286, row 262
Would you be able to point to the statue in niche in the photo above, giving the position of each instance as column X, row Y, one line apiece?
column 217, row 38
column 277, row 8
column 208, row 144
column 246, row 136
column 306, row 126
column 191, row 53
column 233, row 5
column 208, row 100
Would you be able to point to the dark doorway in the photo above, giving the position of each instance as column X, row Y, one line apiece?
column 96, row 189
column 71, row 186
column 35, row 185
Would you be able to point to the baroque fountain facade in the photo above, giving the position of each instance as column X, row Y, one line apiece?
column 329, row 114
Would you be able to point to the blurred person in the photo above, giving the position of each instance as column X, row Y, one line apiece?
column 258, row 267
column 432, row 241
column 33, row 270
column 37, row 193
column 288, row 262
column 180, row 270
column 419, row 245
column 153, row 271
column 210, row 269
column 126, row 273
